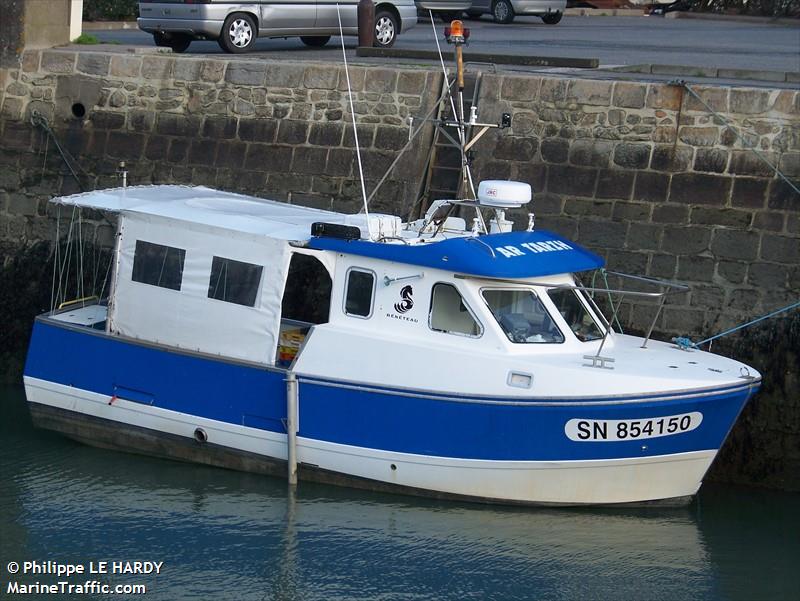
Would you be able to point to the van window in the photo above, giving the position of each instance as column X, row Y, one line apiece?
column 359, row 293
column 449, row 313
column 234, row 281
column 158, row 265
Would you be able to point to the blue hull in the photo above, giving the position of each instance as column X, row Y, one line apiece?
column 378, row 418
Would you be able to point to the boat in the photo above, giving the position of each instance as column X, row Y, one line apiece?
column 449, row 355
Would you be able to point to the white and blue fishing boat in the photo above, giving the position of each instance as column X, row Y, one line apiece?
column 435, row 357
column 420, row 357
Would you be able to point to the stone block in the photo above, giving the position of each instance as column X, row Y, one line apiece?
column 769, row 276
column 698, row 136
column 724, row 217
column 632, row 156
column 790, row 164
column 591, row 153
column 517, row 87
column 325, row 134
column 268, row 158
column 612, row 183
column 578, row 181
column 782, row 196
column 593, row 208
column 125, row 66
column 19, row 204
column 632, row 211
column 515, row 149
column 212, row 71
column 231, row 154
column 547, row 204
column 602, row 234
column 663, row 96
column 749, row 192
column 744, row 299
column 688, row 240
column 282, row 76
column 780, row 249
column 716, row 97
column 412, row 82
column 670, row 158
column 555, row 150
column 714, row 160
column 732, row 271
column 178, row 149
column 30, row 61
column 699, row 188
column 358, row 75
column 107, row 119
column 769, row 221
column 258, row 130
column 340, row 162
column 533, row 173
column 58, row 62
column 735, row 244
column 651, row 186
column 125, row 145
column 749, row 102
column 246, row 73
column 291, row 131
column 97, row 144
column 366, row 134
column 629, row 95
column 12, row 109
column 644, row 236
column 627, row 261
column 746, row 162
column 202, row 152
column 685, row 321
column 389, row 138
column 320, row 78
column 171, row 124
column 706, row 297
column 553, row 90
column 141, row 121
column 157, row 67
column 187, row 69
column 223, row 128
column 382, row 81
column 156, row 148
column 309, row 160
column 93, row 64
column 592, row 92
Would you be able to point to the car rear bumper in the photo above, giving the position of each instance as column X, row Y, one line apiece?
column 194, row 27
column 537, row 7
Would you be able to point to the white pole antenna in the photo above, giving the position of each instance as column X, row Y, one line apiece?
column 355, row 130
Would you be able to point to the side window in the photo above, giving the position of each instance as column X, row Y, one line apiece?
column 234, row 281
column 307, row 295
column 449, row 313
column 359, row 293
column 158, row 265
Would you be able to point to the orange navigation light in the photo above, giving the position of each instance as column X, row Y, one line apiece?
column 456, row 33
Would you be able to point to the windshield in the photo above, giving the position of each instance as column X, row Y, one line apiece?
column 575, row 314
column 522, row 316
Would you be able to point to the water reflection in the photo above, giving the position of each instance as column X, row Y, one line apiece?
column 228, row 535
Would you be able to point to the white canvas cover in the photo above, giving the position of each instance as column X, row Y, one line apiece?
column 188, row 318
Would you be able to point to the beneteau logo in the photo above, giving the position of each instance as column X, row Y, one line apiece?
column 407, row 303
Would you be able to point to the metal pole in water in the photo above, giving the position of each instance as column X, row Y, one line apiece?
column 291, row 426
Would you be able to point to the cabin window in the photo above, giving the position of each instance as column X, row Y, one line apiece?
column 234, row 281
column 450, row 314
column 522, row 316
column 307, row 296
column 575, row 314
column 158, row 265
column 359, row 293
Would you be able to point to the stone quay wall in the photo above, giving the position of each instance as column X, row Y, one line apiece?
column 639, row 172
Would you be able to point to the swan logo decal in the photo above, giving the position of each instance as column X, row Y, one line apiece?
column 405, row 305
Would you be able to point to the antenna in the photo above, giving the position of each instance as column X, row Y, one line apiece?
column 353, row 114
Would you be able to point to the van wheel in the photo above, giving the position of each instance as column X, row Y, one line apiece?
column 180, row 42
column 386, row 28
column 551, row 18
column 316, row 41
column 238, row 33
column 503, row 12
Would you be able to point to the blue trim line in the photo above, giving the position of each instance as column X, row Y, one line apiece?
column 508, row 256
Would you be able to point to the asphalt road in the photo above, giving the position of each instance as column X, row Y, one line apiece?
column 612, row 40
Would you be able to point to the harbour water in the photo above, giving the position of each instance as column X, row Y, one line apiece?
column 227, row 535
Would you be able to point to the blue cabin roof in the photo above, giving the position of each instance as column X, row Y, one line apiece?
column 509, row 256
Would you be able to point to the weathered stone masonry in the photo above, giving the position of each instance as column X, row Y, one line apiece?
column 637, row 171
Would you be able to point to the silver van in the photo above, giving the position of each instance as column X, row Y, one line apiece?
column 504, row 11
column 236, row 25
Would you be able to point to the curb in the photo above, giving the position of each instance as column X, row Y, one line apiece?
column 785, row 21
column 710, row 72
column 497, row 59
column 108, row 25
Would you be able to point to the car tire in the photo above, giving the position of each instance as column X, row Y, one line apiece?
column 552, row 18
column 315, row 41
column 502, row 11
column 238, row 33
column 180, row 42
column 386, row 28
column 161, row 39
column 474, row 14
